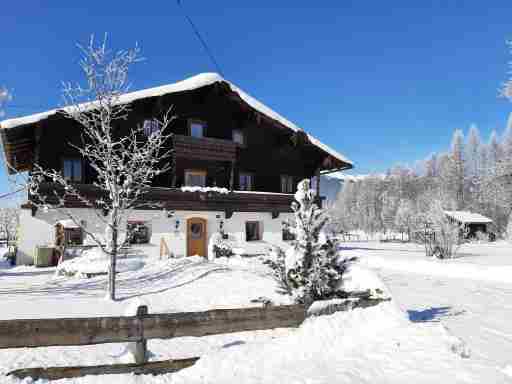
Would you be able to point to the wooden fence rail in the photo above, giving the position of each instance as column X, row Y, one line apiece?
column 143, row 327
column 98, row 330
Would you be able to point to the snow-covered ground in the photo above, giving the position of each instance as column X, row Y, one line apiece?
column 425, row 335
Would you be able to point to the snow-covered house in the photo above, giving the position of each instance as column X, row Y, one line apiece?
column 237, row 164
column 472, row 222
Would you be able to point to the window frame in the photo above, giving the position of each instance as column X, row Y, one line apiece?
column 196, row 171
column 259, row 230
column 242, row 133
column 72, row 178
column 196, row 121
column 287, row 182
column 244, row 173
column 153, row 123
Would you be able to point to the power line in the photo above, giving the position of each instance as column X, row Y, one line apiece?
column 11, row 193
column 201, row 40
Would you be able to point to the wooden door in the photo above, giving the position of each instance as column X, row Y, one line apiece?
column 196, row 236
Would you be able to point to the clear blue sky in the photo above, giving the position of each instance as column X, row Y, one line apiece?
column 381, row 81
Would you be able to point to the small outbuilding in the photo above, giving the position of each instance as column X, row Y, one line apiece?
column 471, row 222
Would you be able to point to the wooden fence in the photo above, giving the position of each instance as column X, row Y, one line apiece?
column 140, row 328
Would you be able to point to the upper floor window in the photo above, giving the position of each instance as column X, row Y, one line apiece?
column 287, row 184
column 246, row 182
column 196, row 128
column 195, row 178
column 238, row 136
column 72, row 169
column 151, row 126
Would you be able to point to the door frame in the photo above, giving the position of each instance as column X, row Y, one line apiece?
column 205, row 235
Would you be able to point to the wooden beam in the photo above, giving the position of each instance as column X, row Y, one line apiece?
column 56, row 373
column 98, row 330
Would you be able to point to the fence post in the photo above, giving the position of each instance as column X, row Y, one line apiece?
column 141, row 346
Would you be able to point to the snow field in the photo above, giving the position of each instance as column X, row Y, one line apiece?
column 377, row 344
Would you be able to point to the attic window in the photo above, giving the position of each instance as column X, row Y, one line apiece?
column 150, row 126
column 238, row 136
column 196, row 128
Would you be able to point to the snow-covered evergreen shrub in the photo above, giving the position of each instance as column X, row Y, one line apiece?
column 312, row 268
column 276, row 262
column 219, row 247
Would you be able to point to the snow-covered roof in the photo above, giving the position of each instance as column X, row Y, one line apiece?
column 194, row 82
column 354, row 178
column 67, row 223
column 467, row 217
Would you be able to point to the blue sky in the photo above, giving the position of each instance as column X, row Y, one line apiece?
column 383, row 82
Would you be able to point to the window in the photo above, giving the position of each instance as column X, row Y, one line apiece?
column 72, row 169
column 238, row 136
column 150, row 126
column 245, row 181
column 196, row 128
column 195, row 178
column 253, row 231
column 287, row 184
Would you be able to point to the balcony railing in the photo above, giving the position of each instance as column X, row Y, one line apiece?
column 176, row 199
column 205, row 148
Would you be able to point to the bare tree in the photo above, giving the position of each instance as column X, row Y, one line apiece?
column 125, row 164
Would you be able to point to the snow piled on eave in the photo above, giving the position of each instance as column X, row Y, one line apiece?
column 354, row 178
column 194, row 82
column 468, row 217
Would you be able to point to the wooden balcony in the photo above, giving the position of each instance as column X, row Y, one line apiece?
column 204, row 148
column 176, row 199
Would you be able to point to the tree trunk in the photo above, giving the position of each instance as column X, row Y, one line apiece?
column 112, row 269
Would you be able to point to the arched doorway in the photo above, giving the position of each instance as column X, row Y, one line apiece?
column 196, row 236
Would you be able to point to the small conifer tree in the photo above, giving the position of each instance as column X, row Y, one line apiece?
column 313, row 266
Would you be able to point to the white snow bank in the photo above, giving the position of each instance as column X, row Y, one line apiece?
column 508, row 370
column 434, row 267
column 95, row 261
column 372, row 345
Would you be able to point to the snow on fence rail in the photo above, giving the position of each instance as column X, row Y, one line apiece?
column 142, row 327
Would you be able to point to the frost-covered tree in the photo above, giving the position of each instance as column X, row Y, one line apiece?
column 457, row 157
column 473, row 152
column 5, row 96
column 405, row 216
column 313, row 265
column 125, row 164
column 443, row 234
column 508, row 233
column 9, row 219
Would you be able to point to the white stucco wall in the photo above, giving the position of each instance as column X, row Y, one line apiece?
column 39, row 230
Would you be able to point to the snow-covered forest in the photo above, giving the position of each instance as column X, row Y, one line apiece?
column 472, row 175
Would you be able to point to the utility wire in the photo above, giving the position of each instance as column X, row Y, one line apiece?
column 11, row 193
column 200, row 38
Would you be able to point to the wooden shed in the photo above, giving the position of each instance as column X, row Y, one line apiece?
column 471, row 222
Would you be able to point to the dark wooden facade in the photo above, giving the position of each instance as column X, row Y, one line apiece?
column 269, row 149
